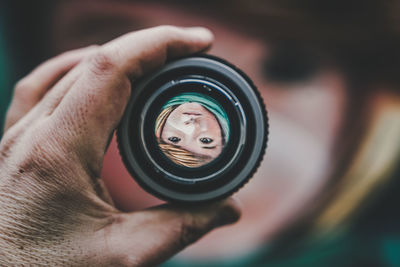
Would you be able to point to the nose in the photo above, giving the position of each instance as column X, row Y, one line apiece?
column 190, row 120
column 191, row 117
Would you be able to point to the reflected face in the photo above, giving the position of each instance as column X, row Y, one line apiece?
column 193, row 128
column 188, row 133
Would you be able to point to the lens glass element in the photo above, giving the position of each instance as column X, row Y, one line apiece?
column 192, row 129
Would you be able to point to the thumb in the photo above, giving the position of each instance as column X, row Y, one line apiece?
column 149, row 237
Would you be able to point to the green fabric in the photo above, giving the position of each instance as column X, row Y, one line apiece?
column 391, row 250
column 5, row 87
column 207, row 102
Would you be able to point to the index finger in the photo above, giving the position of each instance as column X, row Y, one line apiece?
column 94, row 105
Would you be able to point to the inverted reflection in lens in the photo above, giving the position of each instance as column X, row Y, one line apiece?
column 192, row 129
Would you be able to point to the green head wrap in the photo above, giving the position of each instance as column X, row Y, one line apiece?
column 209, row 103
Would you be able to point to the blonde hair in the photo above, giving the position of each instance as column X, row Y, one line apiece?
column 177, row 154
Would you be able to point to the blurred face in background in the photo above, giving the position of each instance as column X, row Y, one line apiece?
column 304, row 120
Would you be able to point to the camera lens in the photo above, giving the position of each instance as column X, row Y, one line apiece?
column 193, row 131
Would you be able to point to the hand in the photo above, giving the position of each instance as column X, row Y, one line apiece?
column 54, row 209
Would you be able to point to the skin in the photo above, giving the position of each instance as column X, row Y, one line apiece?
column 195, row 129
column 54, row 209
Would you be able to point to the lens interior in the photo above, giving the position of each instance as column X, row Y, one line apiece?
column 192, row 130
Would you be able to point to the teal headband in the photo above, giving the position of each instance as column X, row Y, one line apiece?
column 209, row 103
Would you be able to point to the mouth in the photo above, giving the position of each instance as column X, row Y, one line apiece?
column 192, row 113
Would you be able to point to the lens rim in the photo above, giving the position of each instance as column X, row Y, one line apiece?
column 217, row 166
column 250, row 146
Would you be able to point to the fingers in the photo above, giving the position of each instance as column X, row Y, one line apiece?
column 94, row 105
column 31, row 89
column 150, row 237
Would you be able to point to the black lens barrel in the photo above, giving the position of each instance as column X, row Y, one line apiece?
column 239, row 159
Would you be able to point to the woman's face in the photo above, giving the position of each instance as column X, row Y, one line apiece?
column 193, row 128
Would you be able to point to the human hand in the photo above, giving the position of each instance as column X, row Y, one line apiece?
column 54, row 208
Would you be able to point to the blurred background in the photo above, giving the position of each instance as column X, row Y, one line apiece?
column 327, row 191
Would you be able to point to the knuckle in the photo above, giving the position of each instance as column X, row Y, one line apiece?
column 7, row 142
column 101, row 61
column 86, row 49
column 10, row 119
column 71, row 54
column 22, row 88
column 25, row 91
column 168, row 30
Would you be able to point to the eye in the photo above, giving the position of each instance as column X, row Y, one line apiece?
column 290, row 62
column 174, row 139
column 206, row 140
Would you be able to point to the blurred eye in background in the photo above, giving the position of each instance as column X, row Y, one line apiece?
column 290, row 62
